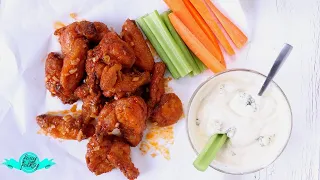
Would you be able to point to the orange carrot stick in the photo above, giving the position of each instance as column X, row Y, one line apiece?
column 178, row 7
column 195, row 45
column 235, row 34
column 203, row 25
column 204, row 11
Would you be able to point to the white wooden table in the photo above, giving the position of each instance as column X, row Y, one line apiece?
column 273, row 23
column 297, row 23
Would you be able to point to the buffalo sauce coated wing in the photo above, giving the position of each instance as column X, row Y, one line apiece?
column 113, row 50
column 119, row 156
column 109, row 77
column 107, row 152
column 107, row 120
column 133, row 36
column 102, row 29
column 131, row 113
column 168, row 111
column 96, row 157
column 74, row 44
column 127, row 114
column 53, row 68
column 113, row 82
column 65, row 127
column 156, row 86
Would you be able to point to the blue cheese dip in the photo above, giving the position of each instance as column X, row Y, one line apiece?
column 258, row 127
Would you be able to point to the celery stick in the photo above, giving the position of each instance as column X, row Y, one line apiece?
column 181, row 44
column 162, row 34
column 200, row 64
column 158, row 47
column 210, row 151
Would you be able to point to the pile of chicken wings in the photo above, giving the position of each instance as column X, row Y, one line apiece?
column 120, row 86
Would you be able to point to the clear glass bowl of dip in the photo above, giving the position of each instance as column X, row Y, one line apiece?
column 195, row 101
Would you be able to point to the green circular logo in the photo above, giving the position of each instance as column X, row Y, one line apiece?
column 29, row 162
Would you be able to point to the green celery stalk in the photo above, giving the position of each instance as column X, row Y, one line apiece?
column 162, row 34
column 180, row 43
column 174, row 72
column 200, row 64
column 210, row 151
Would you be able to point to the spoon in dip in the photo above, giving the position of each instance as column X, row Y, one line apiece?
column 217, row 141
column 276, row 66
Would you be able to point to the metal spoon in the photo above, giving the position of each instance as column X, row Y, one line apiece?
column 276, row 66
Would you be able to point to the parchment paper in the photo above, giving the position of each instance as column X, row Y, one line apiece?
column 26, row 38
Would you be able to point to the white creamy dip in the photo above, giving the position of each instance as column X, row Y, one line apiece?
column 258, row 127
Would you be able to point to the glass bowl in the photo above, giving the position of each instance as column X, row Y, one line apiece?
column 199, row 92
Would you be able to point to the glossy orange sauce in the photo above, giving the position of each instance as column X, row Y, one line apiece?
column 152, row 50
column 166, row 85
column 58, row 25
column 72, row 111
column 157, row 141
column 74, row 16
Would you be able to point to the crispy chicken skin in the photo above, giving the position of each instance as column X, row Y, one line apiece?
column 94, row 68
column 53, row 68
column 127, row 114
column 74, row 44
column 108, row 152
column 92, row 104
column 133, row 36
column 112, row 50
column 168, row 111
column 82, row 91
column 102, row 29
column 65, row 127
column 96, row 157
column 109, row 77
column 119, row 156
column 156, row 87
column 107, row 120
column 131, row 113
column 124, row 82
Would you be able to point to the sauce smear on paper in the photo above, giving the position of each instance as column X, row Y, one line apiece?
column 72, row 111
column 157, row 141
column 74, row 16
column 58, row 25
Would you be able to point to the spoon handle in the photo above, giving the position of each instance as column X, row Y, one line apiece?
column 276, row 66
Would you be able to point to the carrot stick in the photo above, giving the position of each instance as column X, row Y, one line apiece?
column 235, row 34
column 203, row 25
column 178, row 7
column 195, row 45
column 206, row 14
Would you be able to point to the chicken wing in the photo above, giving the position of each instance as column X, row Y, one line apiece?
column 65, row 127
column 107, row 120
column 131, row 113
column 92, row 104
column 82, row 91
column 119, row 156
column 74, row 44
column 133, row 36
column 109, row 77
column 125, row 82
column 53, row 68
column 113, row 50
column 156, row 87
column 107, row 152
column 96, row 157
column 168, row 111
column 102, row 29
column 127, row 114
